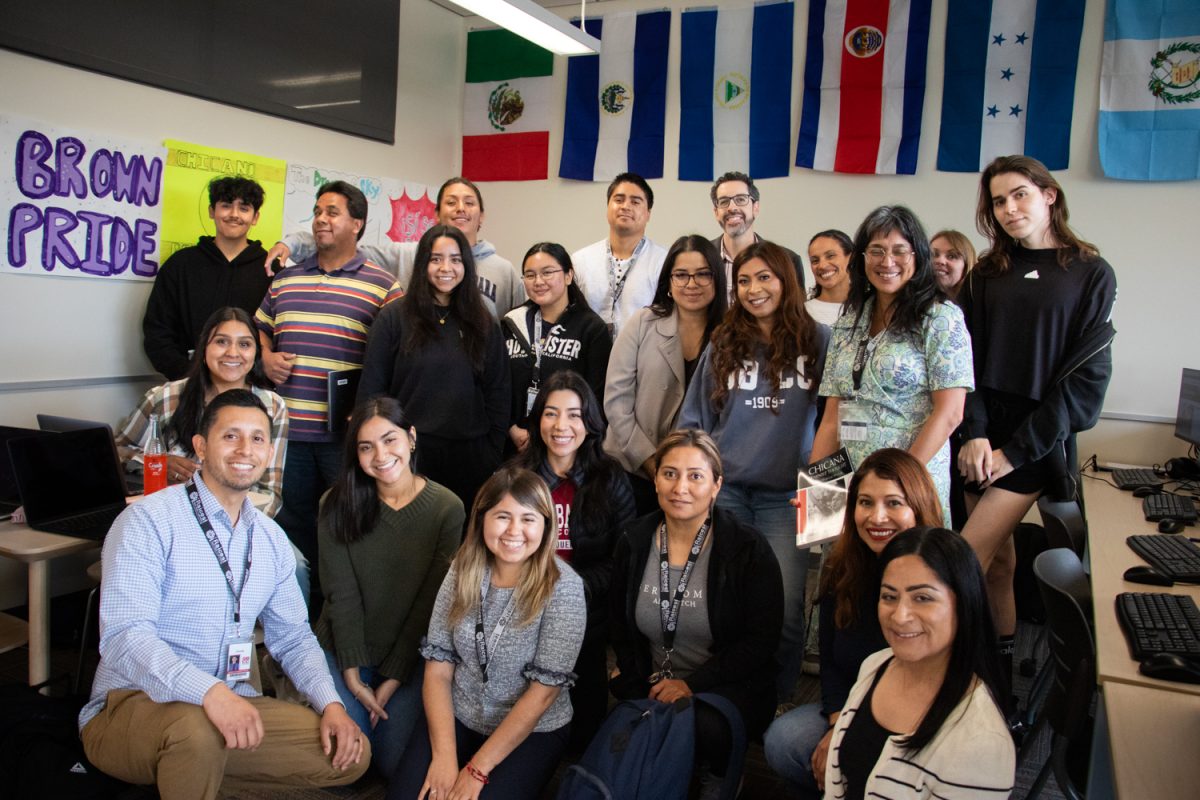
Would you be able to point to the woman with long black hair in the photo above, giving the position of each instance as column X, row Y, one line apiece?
column 440, row 353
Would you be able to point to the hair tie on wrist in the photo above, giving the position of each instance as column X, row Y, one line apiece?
column 477, row 773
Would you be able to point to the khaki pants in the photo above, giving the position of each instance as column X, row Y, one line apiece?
column 175, row 746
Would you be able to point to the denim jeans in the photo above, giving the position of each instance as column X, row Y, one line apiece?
column 770, row 513
column 309, row 469
column 390, row 736
column 789, row 744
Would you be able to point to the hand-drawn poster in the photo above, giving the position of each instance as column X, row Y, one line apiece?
column 190, row 168
column 78, row 203
column 396, row 211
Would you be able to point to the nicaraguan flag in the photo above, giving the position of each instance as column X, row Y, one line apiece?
column 1010, row 81
column 735, row 91
column 617, row 100
column 1150, row 91
column 864, row 83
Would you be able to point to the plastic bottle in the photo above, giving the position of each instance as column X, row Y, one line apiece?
column 154, row 460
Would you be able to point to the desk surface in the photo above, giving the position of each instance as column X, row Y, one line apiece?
column 1150, row 743
column 1113, row 515
column 23, row 543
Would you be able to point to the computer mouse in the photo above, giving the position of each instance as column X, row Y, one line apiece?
column 1168, row 525
column 1147, row 575
column 1146, row 491
column 1170, row 667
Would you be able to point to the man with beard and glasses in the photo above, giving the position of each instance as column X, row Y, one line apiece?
column 735, row 205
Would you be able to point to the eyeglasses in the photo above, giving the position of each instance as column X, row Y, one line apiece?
column 702, row 278
column 739, row 200
column 545, row 274
column 901, row 255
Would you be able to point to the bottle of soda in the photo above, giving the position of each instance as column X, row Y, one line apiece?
column 154, row 460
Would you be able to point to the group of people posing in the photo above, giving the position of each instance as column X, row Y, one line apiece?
column 527, row 484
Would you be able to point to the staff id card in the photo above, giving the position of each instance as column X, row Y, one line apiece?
column 853, row 419
column 238, row 660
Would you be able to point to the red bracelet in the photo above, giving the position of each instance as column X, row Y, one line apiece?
column 476, row 773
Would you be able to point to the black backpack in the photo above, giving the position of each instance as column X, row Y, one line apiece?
column 645, row 749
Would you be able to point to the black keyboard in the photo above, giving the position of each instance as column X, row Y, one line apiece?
column 1169, row 506
column 1132, row 478
column 1159, row 623
column 1176, row 556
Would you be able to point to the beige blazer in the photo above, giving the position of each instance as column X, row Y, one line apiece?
column 644, row 387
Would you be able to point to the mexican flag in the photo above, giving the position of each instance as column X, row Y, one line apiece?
column 506, row 108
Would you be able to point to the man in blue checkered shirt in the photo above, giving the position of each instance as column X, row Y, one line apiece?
column 187, row 571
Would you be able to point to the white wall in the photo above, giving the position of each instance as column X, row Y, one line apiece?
column 56, row 328
column 1145, row 230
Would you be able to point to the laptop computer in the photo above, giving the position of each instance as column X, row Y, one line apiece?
column 341, row 388
column 10, row 495
column 57, row 424
column 69, row 482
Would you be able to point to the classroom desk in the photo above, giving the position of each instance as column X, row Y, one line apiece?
column 36, row 549
column 1150, row 733
column 1112, row 515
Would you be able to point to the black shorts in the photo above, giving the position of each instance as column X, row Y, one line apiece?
column 1005, row 413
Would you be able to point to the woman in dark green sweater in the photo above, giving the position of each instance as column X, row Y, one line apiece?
column 386, row 538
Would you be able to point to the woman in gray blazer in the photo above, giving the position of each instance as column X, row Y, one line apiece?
column 654, row 357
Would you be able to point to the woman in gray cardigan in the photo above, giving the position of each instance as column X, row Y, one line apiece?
column 654, row 357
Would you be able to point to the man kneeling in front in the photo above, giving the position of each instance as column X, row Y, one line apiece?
column 187, row 571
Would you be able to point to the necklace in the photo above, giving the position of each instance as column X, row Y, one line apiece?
column 441, row 317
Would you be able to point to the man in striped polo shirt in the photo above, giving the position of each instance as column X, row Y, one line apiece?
column 313, row 320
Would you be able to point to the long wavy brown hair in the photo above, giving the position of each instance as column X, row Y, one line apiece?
column 793, row 335
column 998, row 257
column 850, row 570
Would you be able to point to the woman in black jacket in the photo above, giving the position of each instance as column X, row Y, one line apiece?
column 719, row 632
column 592, row 501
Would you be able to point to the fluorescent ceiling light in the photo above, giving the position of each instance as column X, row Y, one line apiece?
column 530, row 21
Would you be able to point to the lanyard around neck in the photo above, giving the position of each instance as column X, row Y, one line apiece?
column 669, row 605
column 219, row 551
column 483, row 644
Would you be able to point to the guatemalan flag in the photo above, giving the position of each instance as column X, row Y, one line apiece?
column 735, row 91
column 617, row 100
column 864, row 83
column 1150, row 91
column 1010, row 81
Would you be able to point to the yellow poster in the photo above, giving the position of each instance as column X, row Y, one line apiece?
column 189, row 169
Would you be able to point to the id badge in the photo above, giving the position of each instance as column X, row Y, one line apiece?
column 530, row 395
column 238, row 660
column 852, row 421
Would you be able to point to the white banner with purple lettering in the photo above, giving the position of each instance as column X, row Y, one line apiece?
column 78, row 203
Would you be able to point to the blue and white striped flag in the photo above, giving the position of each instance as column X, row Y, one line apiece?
column 617, row 101
column 735, row 91
column 1150, row 91
column 1010, row 81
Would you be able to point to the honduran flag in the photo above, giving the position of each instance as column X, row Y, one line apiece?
column 735, row 91
column 506, row 108
column 1150, row 91
column 617, row 100
column 1010, row 81
column 864, row 83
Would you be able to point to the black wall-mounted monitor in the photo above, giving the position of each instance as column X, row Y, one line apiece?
column 331, row 65
column 1187, row 418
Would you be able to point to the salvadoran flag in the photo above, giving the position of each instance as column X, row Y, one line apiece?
column 735, row 91
column 617, row 100
column 1010, row 81
column 1150, row 91
column 864, row 84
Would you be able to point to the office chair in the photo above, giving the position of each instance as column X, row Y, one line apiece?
column 1064, row 524
column 1068, row 711
column 94, row 572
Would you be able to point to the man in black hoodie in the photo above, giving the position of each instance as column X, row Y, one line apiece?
column 222, row 270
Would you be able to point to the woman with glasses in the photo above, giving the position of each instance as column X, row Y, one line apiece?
column 755, row 393
column 552, row 331
column 900, row 364
column 655, row 356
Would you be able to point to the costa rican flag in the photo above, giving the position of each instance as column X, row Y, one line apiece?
column 864, row 83
column 735, row 91
column 617, row 100
column 1010, row 81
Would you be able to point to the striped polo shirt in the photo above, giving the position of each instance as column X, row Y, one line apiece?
column 322, row 317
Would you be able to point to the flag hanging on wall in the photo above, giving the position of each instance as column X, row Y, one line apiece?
column 864, row 83
column 1010, row 81
column 735, row 91
column 506, row 108
column 617, row 100
column 1150, row 91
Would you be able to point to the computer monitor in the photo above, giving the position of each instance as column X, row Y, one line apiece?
column 1187, row 418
